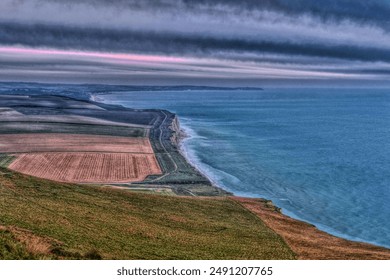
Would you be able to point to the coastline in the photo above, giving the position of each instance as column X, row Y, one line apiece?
column 185, row 151
column 315, row 243
column 306, row 240
column 186, row 182
column 177, row 135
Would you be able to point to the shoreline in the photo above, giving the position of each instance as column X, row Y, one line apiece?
column 306, row 240
column 315, row 244
column 184, row 151
column 179, row 134
column 181, row 178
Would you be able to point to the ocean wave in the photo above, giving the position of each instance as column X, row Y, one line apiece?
column 215, row 175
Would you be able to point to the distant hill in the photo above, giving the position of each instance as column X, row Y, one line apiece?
column 85, row 91
column 187, row 88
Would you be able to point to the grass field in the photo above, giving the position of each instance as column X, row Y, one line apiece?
column 67, row 128
column 5, row 160
column 42, row 219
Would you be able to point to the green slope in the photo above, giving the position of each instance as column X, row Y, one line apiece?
column 48, row 220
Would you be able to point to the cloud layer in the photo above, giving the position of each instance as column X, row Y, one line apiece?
column 247, row 40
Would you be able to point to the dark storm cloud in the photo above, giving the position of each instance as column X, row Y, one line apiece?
column 374, row 11
column 165, row 43
column 201, row 27
column 334, row 37
column 168, row 43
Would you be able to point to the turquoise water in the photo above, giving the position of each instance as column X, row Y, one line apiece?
column 323, row 156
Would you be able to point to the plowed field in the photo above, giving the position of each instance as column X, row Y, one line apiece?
column 87, row 167
column 81, row 158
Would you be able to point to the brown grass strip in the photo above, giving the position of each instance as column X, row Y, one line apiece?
column 308, row 242
column 35, row 244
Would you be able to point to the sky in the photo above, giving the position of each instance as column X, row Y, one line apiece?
column 196, row 42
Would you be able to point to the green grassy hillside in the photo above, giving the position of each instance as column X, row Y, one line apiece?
column 46, row 220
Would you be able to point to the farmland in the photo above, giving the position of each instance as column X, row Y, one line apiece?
column 43, row 142
column 81, row 158
column 87, row 167
column 80, row 141
column 70, row 128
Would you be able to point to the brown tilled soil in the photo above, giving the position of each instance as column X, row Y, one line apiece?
column 307, row 241
column 87, row 167
column 52, row 142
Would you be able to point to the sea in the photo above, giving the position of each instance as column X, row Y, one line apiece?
column 322, row 155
